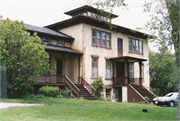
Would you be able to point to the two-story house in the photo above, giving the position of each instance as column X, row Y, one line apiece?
column 83, row 48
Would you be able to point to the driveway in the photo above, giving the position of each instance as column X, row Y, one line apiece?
column 6, row 105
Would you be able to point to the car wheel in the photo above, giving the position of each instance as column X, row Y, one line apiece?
column 171, row 104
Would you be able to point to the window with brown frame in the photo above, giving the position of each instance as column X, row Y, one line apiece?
column 135, row 46
column 131, row 70
column 101, row 38
column 108, row 69
column 94, row 67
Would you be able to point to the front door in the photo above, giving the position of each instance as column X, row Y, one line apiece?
column 120, row 47
column 119, row 69
column 59, row 66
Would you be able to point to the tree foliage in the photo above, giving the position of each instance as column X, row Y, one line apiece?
column 162, row 73
column 24, row 56
column 109, row 5
column 164, row 24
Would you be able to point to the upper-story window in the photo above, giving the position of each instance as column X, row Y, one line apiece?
column 60, row 42
column 89, row 13
column 101, row 38
column 135, row 46
column 46, row 40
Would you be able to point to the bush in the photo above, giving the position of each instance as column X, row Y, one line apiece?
column 66, row 93
column 98, row 86
column 49, row 91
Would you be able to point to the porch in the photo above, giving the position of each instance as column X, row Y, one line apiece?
column 123, row 71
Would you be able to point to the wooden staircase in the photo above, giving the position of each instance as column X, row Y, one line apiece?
column 144, row 92
column 84, row 92
column 84, row 89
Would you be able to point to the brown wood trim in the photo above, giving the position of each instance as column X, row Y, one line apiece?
column 107, row 87
column 94, row 77
column 107, row 58
column 108, row 78
column 135, row 53
column 101, row 46
column 95, row 56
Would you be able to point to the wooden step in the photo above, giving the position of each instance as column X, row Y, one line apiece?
column 84, row 92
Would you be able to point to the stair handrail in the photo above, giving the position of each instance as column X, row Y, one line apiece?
column 88, row 86
column 72, row 86
column 138, row 93
column 149, row 91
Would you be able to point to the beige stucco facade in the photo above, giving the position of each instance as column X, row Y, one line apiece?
column 83, row 43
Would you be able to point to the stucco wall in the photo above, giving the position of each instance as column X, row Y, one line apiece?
column 83, row 34
column 113, row 52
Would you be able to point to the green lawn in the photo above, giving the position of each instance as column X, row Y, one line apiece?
column 83, row 110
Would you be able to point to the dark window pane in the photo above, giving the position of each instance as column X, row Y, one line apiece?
column 89, row 13
column 103, row 39
column 133, row 45
column 137, row 46
column 93, row 36
column 119, row 44
column 98, row 38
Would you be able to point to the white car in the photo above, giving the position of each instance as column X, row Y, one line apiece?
column 170, row 99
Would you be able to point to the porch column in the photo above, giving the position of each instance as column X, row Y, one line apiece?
column 125, row 72
column 79, row 80
column 140, row 71
column 62, row 64
column 113, row 73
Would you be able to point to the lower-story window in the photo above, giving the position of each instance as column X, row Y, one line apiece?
column 94, row 67
column 131, row 70
column 108, row 92
column 108, row 69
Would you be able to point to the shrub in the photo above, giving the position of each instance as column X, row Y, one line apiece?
column 66, row 93
column 146, row 98
column 49, row 91
column 98, row 86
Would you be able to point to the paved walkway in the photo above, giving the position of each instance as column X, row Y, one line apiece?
column 6, row 105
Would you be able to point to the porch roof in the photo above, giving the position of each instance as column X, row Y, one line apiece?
column 62, row 49
column 130, row 59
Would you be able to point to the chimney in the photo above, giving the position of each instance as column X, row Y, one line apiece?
column 89, row 3
column 1, row 17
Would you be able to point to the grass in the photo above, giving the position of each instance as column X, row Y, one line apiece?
column 56, row 109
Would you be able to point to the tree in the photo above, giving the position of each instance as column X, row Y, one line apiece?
column 165, row 24
column 24, row 56
column 162, row 75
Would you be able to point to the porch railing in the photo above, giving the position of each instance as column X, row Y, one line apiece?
column 58, row 79
column 50, row 78
column 135, row 81
column 120, row 81
column 72, row 86
column 88, row 86
column 134, row 95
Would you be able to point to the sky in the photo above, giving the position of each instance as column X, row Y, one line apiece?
column 45, row 12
